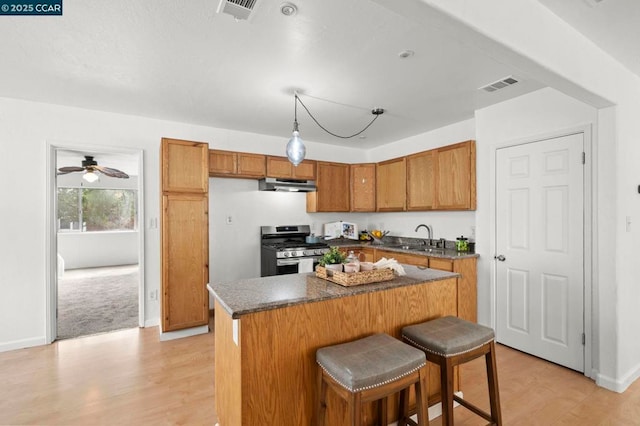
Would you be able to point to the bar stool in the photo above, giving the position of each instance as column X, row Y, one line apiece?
column 370, row 369
column 451, row 341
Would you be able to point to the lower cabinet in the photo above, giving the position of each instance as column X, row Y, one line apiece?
column 467, row 283
column 185, row 261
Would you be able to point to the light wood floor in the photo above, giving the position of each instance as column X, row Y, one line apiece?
column 131, row 378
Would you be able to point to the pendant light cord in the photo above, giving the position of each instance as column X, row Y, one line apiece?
column 376, row 112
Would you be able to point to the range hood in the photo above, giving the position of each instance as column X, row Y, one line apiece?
column 286, row 185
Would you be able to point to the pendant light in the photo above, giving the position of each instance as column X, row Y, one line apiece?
column 295, row 148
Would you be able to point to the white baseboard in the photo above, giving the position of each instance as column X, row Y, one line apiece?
column 193, row 331
column 618, row 386
column 21, row 344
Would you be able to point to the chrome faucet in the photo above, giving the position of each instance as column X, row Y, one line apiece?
column 428, row 230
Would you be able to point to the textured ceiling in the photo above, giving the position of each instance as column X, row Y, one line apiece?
column 182, row 61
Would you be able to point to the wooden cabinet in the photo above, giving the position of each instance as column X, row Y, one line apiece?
column 467, row 283
column 332, row 184
column 455, row 177
column 236, row 164
column 184, row 234
column 281, row 167
column 185, row 259
column 363, row 187
column 420, row 181
column 391, row 185
column 184, row 166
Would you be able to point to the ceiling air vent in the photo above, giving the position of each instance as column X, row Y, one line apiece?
column 239, row 9
column 500, row 84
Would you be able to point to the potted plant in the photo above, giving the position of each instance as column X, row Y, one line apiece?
column 332, row 260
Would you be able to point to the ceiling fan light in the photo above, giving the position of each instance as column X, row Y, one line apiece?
column 296, row 149
column 90, row 177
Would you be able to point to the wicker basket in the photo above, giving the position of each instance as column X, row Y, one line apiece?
column 356, row 278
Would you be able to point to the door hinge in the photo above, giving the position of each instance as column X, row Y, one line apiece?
column 584, row 158
column 583, row 338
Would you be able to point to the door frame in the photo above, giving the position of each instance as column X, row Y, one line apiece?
column 51, row 234
column 590, row 228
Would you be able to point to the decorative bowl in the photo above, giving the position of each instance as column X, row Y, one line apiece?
column 378, row 239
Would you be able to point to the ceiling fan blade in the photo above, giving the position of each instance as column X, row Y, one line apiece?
column 69, row 169
column 108, row 171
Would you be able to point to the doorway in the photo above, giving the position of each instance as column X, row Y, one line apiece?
column 540, row 248
column 96, row 280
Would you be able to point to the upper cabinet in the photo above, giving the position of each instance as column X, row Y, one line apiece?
column 333, row 188
column 236, row 164
column 455, row 176
column 391, row 185
column 363, row 187
column 421, row 181
column 184, row 166
column 281, row 167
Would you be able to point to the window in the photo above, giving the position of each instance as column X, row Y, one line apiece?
column 95, row 209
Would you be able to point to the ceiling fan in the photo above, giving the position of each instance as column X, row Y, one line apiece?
column 90, row 166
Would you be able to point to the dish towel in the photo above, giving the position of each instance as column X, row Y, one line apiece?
column 305, row 265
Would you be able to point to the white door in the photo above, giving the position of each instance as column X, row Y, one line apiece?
column 539, row 249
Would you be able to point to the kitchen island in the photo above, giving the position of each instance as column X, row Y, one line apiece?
column 268, row 329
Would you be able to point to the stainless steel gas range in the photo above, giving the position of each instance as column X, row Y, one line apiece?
column 283, row 248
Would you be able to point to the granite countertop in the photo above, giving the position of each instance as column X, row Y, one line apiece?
column 448, row 253
column 260, row 294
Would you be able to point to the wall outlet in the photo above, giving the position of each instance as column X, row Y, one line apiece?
column 153, row 295
column 473, row 233
column 229, row 220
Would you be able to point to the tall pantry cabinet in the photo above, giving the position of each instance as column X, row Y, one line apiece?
column 184, row 169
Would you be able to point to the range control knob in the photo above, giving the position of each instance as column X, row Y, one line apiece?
column 285, row 254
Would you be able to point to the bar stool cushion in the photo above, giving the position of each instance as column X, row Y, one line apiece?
column 369, row 362
column 448, row 336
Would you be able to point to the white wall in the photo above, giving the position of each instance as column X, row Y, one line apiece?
column 95, row 249
column 526, row 34
column 23, row 153
column 530, row 117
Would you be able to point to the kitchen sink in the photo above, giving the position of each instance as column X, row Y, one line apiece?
column 418, row 247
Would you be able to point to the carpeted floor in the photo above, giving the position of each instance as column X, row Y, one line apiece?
column 97, row 300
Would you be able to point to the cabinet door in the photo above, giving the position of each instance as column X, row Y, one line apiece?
column 184, row 166
column 332, row 194
column 363, row 187
column 455, row 171
column 185, row 261
column 279, row 167
column 420, row 181
column 391, row 185
column 251, row 165
column 305, row 170
column 222, row 163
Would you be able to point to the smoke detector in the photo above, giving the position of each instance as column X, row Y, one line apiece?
column 500, row 84
column 239, row 9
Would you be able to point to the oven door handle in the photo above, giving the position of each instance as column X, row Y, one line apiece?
column 283, row 262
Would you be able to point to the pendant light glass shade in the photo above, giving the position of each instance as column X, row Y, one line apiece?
column 295, row 149
column 90, row 177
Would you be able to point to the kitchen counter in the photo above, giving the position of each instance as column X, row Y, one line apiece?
column 447, row 253
column 267, row 331
column 258, row 294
